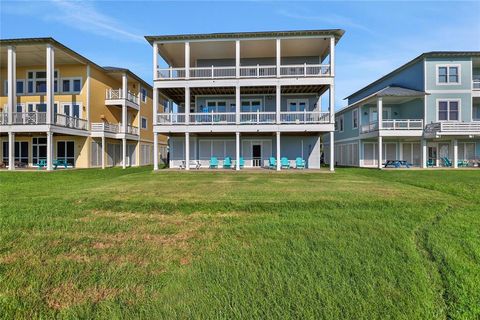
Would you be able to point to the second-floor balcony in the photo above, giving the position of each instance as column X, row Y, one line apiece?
column 453, row 128
column 115, row 95
column 244, row 118
column 256, row 71
column 393, row 125
column 113, row 128
column 40, row 118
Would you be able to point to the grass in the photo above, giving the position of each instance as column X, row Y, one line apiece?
column 357, row 244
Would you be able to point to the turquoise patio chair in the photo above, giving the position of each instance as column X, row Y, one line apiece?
column 59, row 163
column 285, row 163
column 227, row 163
column 462, row 163
column 272, row 163
column 213, row 163
column 242, row 162
column 42, row 163
column 299, row 163
column 430, row 163
column 446, row 162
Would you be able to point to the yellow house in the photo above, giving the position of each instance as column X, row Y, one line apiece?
column 65, row 110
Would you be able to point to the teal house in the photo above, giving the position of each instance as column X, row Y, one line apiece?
column 426, row 112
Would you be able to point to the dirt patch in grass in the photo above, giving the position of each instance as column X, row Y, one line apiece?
column 68, row 295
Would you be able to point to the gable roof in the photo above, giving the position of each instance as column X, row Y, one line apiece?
column 415, row 60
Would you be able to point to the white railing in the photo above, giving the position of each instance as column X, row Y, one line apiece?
column 212, row 72
column 170, row 118
column 29, row 118
column 372, row 126
column 476, row 84
column 305, row 70
column 304, row 117
column 258, row 71
column 132, row 129
column 463, row 127
column 117, row 94
column 402, row 124
column 3, row 118
column 105, row 127
column 257, row 117
column 212, row 118
column 70, row 122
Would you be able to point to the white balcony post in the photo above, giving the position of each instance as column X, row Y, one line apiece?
column 237, row 104
column 187, row 151
column 103, row 152
column 237, row 151
column 380, row 113
column 455, row 153
column 155, row 60
column 331, row 105
column 124, row 153
column 124, row 117
column 278, row 103
column 12, row 83
column 50, row 82
column 380, row 151
column 155, row 106
column 332, row 56
column 279, row 55
column 155, row 151
column 332, row 151
column 424, row 153
column 187, row 105
column 237, row 58
column 11, row 151
column 187, row 60
column 49, row 150
column 124, row 86
column 278, row 151
column 88, row 95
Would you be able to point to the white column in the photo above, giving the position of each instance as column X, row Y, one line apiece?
column 279, row 55
column 187, row 151
column 124, row 86
column 278, row 103
column 237, row 104
column 424, row 153
column 187, row 105
column 155, row 105
column 278, row 151
column 155, row 60
column 332, row 151
column 124, row 153
column 332, row 56
column 187, row 60
column 455, row 153
column 103, row 152
column 237, row 150
column 11, row 151
column 12, row 83
column 49, row 150
column 237, row 58
column 88, row 96
column 331, row 103
column 380, row 151
column 124, row 117
column 155, row 151
column 380, row 112
column 50, row 82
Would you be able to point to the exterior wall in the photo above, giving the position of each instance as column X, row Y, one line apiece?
column 465, row 105
column 99, row 83
column 465, row 64
column 411, row 77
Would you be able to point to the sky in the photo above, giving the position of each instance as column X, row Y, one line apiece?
column 379, row 36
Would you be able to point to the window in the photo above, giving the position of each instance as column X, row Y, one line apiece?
column 144, row 94
column 215, row 106
column 37, row 81
column 144, row 123
column 355, row 119
column 339, row 124
column 20, row 87
column 448, row 74
column 71, row 85
column 20, row 152
column 448, row 110
column 72, row 110
column 297, row 105
column 476, row 113
column 66, row 151
column 251, row 106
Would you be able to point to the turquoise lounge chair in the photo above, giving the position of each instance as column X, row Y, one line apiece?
column 242, row 162
column 227, row 163
column 213, row 162
column 446, row 162
column 272, row 163
column 59, row 162
column 285, row 163
column 42, row 163
column 299, row 163
column 430, row 163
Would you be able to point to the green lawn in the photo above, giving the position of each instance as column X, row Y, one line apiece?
column 357, row 244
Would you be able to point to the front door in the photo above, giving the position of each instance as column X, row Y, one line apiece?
column 432, row 154
column 39, row 150
column 257, row 155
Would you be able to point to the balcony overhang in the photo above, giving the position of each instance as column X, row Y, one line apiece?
column 264, row 128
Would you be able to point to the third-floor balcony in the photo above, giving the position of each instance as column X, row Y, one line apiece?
column 113, row 128
column 393, row 125
column 117, row 96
